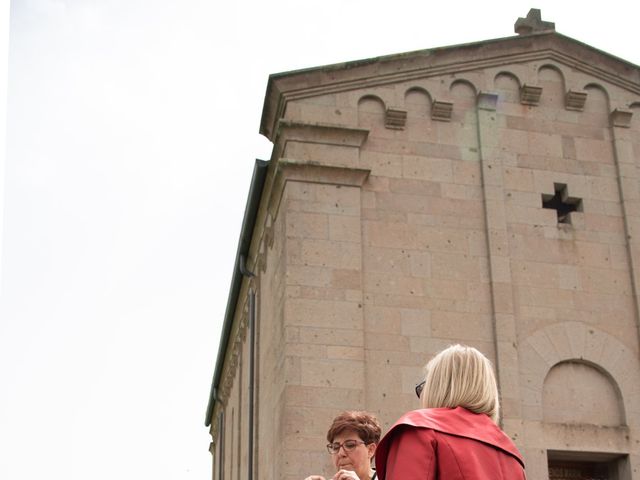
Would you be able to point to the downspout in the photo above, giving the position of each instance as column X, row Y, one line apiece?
column 252, row 354
column 246, row 233
column 252, row 336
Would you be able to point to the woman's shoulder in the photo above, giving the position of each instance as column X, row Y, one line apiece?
column 462, row 423
column 457, row 421
column 435, row 418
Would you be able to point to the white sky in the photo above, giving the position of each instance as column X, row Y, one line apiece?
column 132, row 128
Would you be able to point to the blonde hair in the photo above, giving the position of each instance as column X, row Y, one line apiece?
column 461, row 376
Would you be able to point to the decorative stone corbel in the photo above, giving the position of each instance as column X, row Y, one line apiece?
column 575, row 100
column 395, row 118
column 530, row 95
column 441, row 111
column 621, row 118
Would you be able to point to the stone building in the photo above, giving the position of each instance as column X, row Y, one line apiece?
column 486, row 193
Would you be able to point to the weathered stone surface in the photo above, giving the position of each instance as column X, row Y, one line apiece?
column 394, row 223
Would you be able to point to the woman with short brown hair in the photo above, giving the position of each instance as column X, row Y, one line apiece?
column 353, row 437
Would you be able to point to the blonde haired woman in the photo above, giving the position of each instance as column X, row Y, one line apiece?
column 455, row 435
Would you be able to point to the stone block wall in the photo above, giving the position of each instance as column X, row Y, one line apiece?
column 495, row 205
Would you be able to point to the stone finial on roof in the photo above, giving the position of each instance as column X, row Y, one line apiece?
column 533, row 23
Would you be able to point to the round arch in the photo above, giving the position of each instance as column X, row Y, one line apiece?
column 575, row 342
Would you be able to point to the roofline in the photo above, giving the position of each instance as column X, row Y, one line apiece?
column 349, row 65
column 246, row 233
column 393, row 56
column 390, row 57
column 273, row 94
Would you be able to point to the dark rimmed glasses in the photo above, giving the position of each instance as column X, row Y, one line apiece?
column 419, row 388
column 348, row 446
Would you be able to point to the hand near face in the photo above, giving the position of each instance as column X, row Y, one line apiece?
column 346, row 475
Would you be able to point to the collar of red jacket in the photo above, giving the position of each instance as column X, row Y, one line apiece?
column 462, row 423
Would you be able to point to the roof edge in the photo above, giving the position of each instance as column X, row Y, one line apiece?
column 275, row 92
column 244, row 242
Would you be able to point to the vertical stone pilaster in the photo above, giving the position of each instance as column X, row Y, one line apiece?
column 629, row 183
column 324, row 350
column 500, row 271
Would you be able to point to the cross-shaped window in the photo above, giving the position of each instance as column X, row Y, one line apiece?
column 561, row 202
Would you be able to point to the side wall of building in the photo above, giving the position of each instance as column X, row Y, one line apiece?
column 406, row 217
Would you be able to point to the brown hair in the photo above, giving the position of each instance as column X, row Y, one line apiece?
column 461, row 376
column 365, row 424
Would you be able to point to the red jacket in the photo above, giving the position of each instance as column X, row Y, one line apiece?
column 447, row 444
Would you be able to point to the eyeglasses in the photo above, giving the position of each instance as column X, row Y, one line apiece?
column 419, row 388
column 348, row 446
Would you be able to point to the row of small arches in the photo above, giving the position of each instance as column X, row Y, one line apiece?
column 462, row 94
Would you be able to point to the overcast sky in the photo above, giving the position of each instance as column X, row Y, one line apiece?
column 132, row 129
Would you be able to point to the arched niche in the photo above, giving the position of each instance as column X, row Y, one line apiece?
column 507, row 85
column 371, row 111
column 580, row 393
column 596, row 108
column 464, row 96
column 567, row 341
column 551, row 79
column 463, row 93
column 417, row 101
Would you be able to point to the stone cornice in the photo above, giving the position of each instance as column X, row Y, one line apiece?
column 461, row 67
column 321, row 133
column 292, row 170
column 308, row 172
column 289, row 131
column 441, row 61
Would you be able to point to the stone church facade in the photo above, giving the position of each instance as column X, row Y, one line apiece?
column 487, row 194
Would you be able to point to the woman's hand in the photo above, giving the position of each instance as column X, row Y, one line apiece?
column 341, row 475
column 346, row 475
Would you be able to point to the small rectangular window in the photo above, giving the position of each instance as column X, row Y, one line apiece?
column 587, row 466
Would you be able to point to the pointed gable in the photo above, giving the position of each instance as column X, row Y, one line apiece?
column 478, row 63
